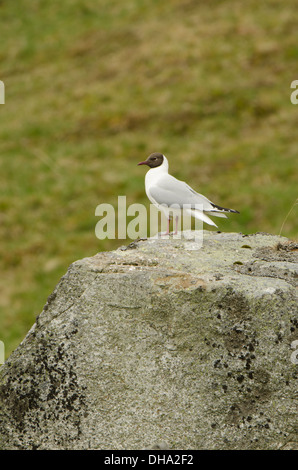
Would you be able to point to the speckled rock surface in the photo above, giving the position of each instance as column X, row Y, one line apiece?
column 162, row 343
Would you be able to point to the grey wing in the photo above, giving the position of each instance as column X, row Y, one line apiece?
column 175, row 193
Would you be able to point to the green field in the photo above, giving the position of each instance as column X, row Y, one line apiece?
column 93, row 87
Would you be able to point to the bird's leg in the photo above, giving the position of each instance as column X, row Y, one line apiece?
column 176, row 224
column 168, row 229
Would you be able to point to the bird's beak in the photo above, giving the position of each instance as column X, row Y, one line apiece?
column 143, row 163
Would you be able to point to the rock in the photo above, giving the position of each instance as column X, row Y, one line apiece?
column 163, row 341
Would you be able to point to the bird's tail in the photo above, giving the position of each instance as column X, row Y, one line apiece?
column 217, row 214
column 201, row 216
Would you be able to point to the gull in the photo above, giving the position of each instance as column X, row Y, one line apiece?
column 171, row 195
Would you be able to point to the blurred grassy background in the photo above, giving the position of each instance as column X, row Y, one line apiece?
column 93, row 87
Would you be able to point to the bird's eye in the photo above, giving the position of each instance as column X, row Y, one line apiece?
column 154, row 158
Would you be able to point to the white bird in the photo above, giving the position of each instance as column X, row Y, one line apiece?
column 170, row 195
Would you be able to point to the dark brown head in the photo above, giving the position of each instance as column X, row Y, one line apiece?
column 154, row 160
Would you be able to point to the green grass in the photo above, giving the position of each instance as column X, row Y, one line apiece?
column 94, row 87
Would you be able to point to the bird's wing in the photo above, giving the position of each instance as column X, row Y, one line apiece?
column 172, row 192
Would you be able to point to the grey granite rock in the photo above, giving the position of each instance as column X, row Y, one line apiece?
column 162, row 341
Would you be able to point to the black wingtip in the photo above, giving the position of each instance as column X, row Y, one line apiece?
column 224, row 209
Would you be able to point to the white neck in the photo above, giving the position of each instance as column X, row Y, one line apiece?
column 164, row 167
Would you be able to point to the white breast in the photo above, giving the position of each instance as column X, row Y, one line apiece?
column 151, row 179
column 153, row 175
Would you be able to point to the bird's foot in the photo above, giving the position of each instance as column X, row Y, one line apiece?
column 168, row 233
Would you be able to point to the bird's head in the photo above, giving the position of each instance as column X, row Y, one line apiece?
column 154, row 160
